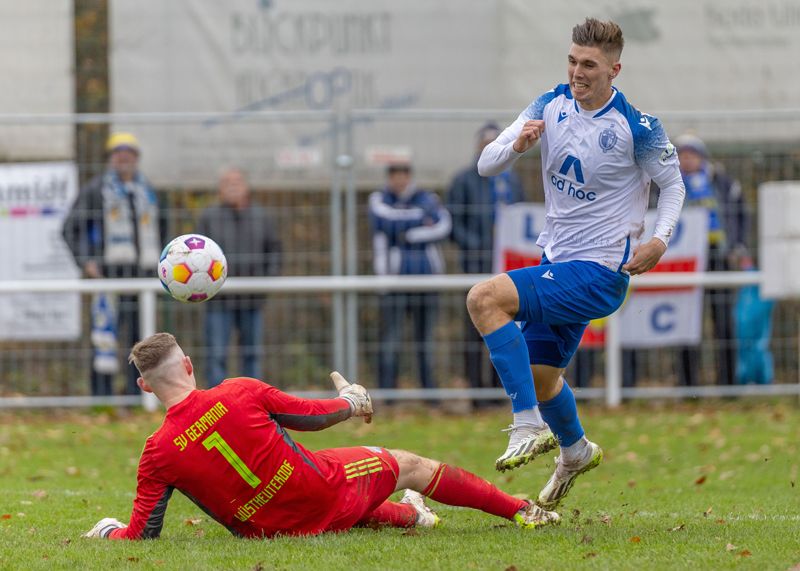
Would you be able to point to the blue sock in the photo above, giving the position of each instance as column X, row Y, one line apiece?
column 561, row 415
column 509, row 354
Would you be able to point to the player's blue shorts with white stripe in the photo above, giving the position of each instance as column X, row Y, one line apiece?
column 557, row 301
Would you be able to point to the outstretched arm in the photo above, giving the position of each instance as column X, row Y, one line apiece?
column 297, row 413
column 149, row 507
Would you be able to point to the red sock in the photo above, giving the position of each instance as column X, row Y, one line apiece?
column 390, row 513
column 457, row 487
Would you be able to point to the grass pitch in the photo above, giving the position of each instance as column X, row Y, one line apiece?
column 689, row 487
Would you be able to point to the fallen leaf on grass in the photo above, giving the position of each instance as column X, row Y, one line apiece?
column 589, row 555
column 199, row 533
column 192, row 521
column 679, row 527
column 720, row 521
column 606, row 519
column 5, row 516
column 631, row 483
column 636, row 539
column 133, row 559
column 511, row 568
column 730, row 547
column 744, row 553
column 411, row 532
column 586, row 539
column 258, row 566
column 708, row 511
column 700, row 481
column 72, row 471
column 66, row 542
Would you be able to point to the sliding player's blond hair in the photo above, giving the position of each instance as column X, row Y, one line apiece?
column 595, row 33
column 149, row 353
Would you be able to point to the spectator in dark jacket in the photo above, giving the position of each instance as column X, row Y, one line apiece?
column 473, row 201
column 114, row 231
column 708, row 186
column 407, row 224
column 248, row 235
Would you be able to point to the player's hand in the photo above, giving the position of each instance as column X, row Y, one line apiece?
column 356, row 395
column 103, row 527
column 531, row 132
column 645, row 257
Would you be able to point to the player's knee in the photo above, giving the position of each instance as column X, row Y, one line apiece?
column 480, row 299
column 415, row 471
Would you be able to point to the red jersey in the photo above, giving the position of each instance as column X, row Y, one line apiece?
column 226, row 449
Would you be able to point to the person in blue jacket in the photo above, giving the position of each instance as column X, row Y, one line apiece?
column 407, row 225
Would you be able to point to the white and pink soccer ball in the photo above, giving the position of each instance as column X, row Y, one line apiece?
column 192, row 268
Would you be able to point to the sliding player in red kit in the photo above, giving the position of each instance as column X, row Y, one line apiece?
column 228, row 451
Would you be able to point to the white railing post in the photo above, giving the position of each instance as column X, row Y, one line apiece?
column 613, row 361
column 147, row 327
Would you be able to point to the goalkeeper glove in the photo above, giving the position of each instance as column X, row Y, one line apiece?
column 356, row 395
column 104, row 527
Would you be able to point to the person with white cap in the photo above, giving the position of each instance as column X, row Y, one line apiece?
column 113, row 231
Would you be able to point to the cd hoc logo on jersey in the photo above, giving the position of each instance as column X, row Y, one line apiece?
column 607, row 139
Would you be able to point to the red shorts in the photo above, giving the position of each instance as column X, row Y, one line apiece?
column 365, row 478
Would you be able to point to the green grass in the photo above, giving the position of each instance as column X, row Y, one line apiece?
column 678, row 488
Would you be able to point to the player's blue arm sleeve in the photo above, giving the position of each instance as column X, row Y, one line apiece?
column 439, row 228
column 659, row 159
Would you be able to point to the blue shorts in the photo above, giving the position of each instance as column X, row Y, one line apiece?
column 557, row 301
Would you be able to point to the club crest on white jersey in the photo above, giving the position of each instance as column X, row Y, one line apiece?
column 597, row 167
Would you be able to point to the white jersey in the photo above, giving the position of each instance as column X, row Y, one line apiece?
column 596, row 168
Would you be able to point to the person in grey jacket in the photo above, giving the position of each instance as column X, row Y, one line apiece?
column 248, row 235
column 473, row 201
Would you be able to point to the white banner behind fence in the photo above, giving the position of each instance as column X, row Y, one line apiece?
column 249, row 55
column 37, row 55
column 34, row 200
column 254, row 55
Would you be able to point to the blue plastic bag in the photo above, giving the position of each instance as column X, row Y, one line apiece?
column 753, row 321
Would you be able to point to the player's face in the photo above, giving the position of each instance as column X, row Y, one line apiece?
column 590, row 72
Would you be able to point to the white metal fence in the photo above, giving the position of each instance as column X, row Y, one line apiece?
column 150, row 294
column 322, row 218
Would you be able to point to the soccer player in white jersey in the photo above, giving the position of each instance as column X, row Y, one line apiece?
column 599, row 154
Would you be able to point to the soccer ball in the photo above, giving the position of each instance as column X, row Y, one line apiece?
column 192, row 268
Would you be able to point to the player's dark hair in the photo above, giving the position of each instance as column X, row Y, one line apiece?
column 605, row 35
column 148, row 353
